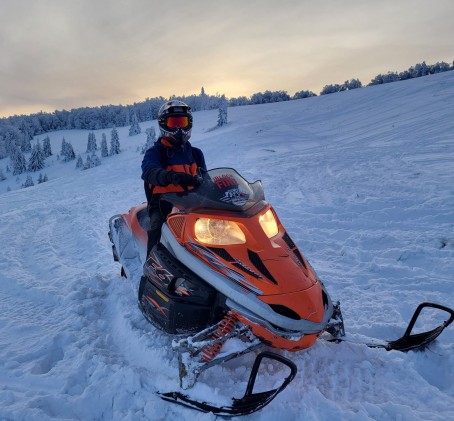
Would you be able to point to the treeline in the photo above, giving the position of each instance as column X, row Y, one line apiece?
column 19, row 129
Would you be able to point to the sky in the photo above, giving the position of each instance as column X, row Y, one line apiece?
column 64, row 54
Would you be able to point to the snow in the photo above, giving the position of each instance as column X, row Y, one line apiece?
column 363, row 182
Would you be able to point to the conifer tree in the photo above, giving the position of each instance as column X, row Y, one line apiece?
column 36, row 161
column 114, row 142
column 135, row 127
column 46, row 147
column 79, row 162
column 2, row 176
column 18, row 162
column 69, row 152
column 91, row 144
column 104, row 150
column 151, row 139
column 63, row 147
column 26, row 145
column 28, row 182
column 222, row 116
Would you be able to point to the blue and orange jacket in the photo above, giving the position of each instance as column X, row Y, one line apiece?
column 163, row 157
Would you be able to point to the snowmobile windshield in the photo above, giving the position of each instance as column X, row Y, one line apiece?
column 222, row 188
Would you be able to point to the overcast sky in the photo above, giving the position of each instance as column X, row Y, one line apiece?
column 63, row 54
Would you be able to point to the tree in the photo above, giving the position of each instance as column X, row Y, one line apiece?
column 2, row 176
column 79, row 162
column 135, row 127
column 42, row 179
column 303, row 94
column 46, row 147
column 203, row 99
column 104, row 150
column 222, row 116
column 26, row 145
column 151, row 139
column 91, row 144
column 67, row 151
column 92, row 161
column 114, row 142
column 36, row 160
column 330, row 89
column 28, row 182
column 18, row 162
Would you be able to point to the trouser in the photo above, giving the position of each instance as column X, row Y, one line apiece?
column 156, row 221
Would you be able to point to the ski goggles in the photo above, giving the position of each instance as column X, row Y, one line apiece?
column 174, row 122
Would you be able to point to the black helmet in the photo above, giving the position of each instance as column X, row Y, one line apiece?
column 175, row 122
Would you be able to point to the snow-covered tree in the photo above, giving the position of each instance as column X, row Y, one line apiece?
column 18, row 162
column 28, row 182
column 135, row 127
column 203, row 99
column 104, row 150
column 151, row 139
column 303, row 94
column 222, row 116
column 92, row 161
column 63, row 147
column 46, row 147
column 2, row 176
column 114, row 142
column 67, row 151
column 91, row 144
column 42, row 179
column 26, row 145
column 79, row 162
column 36, row 160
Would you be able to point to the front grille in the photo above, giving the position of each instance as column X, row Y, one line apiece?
column 176, row 224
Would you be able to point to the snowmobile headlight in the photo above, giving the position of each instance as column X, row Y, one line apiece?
column 219, row 232
column 269, row 224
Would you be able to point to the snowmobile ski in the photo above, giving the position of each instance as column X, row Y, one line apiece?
column 250, row 402
column 408, row 341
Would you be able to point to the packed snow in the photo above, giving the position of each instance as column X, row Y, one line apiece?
column 363, row 181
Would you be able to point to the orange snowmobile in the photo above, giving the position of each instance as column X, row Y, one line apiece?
column 226, row 270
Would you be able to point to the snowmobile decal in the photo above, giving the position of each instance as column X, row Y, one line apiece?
column 225, row 180
column 155, row 270
column 233, row 275
column 236, row 197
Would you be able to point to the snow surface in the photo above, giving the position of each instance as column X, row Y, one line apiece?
column 363, row 181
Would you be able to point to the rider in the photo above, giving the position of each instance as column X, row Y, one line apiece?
column 171, row 164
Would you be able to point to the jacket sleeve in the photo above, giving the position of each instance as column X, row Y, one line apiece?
column 152, row 171
column 199, row 158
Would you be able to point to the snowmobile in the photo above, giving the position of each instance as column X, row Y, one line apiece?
column 226, row 279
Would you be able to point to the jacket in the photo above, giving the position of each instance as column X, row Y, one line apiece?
column 163, row 157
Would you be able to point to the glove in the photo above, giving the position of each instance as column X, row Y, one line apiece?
column 181, row 179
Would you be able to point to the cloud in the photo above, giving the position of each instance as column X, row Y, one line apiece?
column 65, row 54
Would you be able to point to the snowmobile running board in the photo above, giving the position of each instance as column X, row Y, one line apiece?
column 250, row 402
column 409, row 341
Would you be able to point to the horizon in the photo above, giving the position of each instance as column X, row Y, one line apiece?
column 67, row 55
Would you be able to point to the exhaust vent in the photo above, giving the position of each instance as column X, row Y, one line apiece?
column 285, row 311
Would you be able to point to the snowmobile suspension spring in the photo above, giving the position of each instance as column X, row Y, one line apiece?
column 225, row 326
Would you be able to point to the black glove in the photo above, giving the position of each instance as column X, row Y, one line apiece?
column 181, row 179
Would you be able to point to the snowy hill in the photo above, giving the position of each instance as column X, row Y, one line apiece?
column 363, row 181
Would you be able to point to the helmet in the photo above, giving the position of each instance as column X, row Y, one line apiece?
column 177, row 128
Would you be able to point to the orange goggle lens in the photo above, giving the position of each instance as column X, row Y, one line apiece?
column 177, row 121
